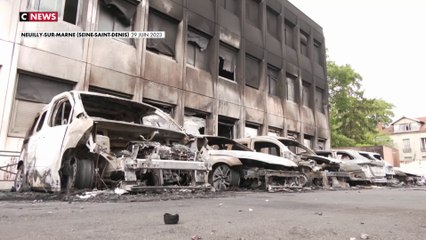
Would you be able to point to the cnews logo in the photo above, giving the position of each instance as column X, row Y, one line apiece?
column 38, row 16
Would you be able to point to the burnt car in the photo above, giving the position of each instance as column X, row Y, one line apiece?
column 318, row 168
column 234, row 165
column 373, row 168
column 85, row 140
column 388, row 168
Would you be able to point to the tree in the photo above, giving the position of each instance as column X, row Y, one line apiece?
column 353, row 117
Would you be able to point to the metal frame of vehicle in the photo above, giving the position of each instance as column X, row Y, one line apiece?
column 389, row 171
column 309, row 162
column 236, row 165
column 83, row 139
column 373, row 169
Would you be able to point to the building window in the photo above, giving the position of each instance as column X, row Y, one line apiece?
column 319, row 104
column 272, row 18
column 274, row 132
column 407, row 127
column 32, row 93
column 321, row 144
column 196, row 54
column 68, row 10
column 252, row 12
column 225, row 127
column 165, row 107
column 251, row 130
column 273, row 86
column 406, row 145
column 304, row 43
column 307, row 141
column 318, row 52
column 110, row 92
column 109, row 20
column 230, row 5
column 306, row 94
column 227, row 62
column 195, row 123
column 252, row 71
column 291, row 88
column 289, row 33
column 160, row 22
column 423, row 144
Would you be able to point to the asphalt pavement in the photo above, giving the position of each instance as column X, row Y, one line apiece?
column 380, row 213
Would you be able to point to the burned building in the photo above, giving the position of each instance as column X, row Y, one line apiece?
column 233, row 68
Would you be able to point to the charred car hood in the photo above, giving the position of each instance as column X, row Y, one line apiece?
column 120, row 127
column 321, row 159
column 256, row 156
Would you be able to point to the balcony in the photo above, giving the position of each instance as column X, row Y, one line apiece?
column 406, row 150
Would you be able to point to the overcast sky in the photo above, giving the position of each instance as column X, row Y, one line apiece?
column 384, row 41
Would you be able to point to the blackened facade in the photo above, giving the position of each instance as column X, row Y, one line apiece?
column 227, row 67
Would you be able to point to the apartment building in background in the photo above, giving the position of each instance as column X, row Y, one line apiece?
column 233, row 68
column 409, row 137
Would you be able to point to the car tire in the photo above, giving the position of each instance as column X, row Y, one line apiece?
column 85, row 174
column 19, row 183
column 223, row 177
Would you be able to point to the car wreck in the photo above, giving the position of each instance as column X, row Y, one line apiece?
column 234, row 165
column 320, row 170
column 372, row 168
column 86, row 140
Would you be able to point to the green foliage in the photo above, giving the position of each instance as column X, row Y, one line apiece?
column 353, row 117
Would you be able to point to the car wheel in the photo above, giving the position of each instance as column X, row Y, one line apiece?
column 84, row 174
column 224, row 178
column 19, row 183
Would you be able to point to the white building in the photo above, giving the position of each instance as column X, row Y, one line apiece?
column 409, row 137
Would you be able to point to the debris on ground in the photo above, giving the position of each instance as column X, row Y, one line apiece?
column 171, row 218
column 196, row 237
column 364, row 236
column 318, row 213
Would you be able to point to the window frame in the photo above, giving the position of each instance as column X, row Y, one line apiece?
column 60, row 6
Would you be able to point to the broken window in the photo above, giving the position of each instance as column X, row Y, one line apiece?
column 251, row 130
column 195, row 123
column 272, row 18
column 307, row 141
column 274, row 131
column 110, row 92
column 230, row 5
column 110, row 20
column 321, row 144
column 304, row 43
column 196, row 53
column 289, row 33
column 225, row 127
column 319, row 105
column 160, row 22
column 291, row 88
column 227, row 61
column 61, row 113
column 67, row 9
column 252, row 71
column 317, row 52
column 267, row 147
column 165, row 107
column 273, row 86
column 306, row 94
column 41, row 121
column 252, row 12
column 32, row 93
